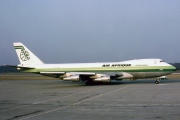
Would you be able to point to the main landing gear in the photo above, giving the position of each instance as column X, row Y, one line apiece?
column 89, row 82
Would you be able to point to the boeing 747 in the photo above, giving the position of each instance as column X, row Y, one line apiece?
column 93, row 72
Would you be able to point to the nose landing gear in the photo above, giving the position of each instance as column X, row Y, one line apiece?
column 160, row 78
column 157, row 81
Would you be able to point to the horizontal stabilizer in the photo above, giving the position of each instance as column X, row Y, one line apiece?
column 20, row 66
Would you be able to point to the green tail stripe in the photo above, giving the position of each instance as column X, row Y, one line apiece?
column 19, row 47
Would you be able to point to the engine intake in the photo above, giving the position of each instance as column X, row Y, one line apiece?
column 103, row 79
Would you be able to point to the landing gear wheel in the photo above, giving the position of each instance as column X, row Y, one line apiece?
column 157, row 81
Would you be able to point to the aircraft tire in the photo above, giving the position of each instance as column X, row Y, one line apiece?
column 157, row 82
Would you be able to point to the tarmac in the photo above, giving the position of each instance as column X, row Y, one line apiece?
column 60, row 100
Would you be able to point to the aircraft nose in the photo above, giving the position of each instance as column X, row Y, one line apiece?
column 173, row 68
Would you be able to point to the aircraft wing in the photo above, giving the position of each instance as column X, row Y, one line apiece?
column 53, row 73
column 83, row 76
column 66, row 75
column 63, row 73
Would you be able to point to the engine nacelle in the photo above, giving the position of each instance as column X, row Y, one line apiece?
column 124, row 76
column 103, row 79
column 72, row 78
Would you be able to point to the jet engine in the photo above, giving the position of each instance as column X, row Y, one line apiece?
column 124, row 76
column 72, row 78
column 103, row 79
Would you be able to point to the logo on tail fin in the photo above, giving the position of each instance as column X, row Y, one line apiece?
column 24, row 55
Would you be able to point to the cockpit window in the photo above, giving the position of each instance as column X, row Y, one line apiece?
column 161, row 61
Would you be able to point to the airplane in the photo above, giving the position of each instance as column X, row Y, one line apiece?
column 92, row 72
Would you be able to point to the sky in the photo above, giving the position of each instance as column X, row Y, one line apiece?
column 75, row 31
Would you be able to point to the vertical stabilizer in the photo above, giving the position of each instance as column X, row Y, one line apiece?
column 25, row 55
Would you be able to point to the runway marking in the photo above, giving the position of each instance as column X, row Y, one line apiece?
column 35, row 103
column 74, row 103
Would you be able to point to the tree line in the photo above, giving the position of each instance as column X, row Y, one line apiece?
column 6, row 69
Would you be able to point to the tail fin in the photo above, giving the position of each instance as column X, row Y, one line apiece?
column 25, row 55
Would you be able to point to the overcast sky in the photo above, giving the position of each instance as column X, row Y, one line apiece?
column 69, row 31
